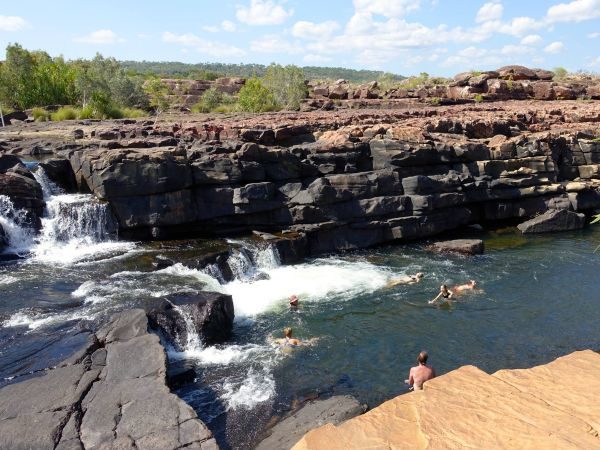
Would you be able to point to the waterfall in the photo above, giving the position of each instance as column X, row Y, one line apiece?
column 249, row 260
column 18, row 234
column 193, row 342
column 75, row 227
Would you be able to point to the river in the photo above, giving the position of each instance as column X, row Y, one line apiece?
column 538, row 300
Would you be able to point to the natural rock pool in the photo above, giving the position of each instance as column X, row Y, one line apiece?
column 539, row 300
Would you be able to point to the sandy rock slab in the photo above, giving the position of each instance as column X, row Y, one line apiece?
column 549, row 406
column 111, row 394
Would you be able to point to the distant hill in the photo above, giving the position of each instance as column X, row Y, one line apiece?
column 215, row 70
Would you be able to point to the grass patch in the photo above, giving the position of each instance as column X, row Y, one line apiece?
column 64, row 113
column 40, row 115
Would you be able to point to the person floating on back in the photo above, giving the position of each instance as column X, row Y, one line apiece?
column 468, row 286
column 421, row 373
column 445, row 294
column 408, row 279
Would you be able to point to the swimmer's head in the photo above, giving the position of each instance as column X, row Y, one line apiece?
column 294, row 300
column 287, row 332
column 443, row 287
column 472, row 283
column 420, row 275
column 422, row 358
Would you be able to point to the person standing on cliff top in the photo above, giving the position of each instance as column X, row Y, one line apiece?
column 421, row 373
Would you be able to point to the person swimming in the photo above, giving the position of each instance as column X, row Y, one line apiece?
column 445, row 293
column 408, row 279
column 288, row 341
column 294, row 301
column 468, row 286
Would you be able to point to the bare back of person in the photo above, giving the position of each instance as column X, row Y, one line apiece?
column 420, row 374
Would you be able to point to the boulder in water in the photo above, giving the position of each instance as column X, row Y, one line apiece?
column 553, row 220
column 60, row 172
column 462, row 246
column 3, row 239
column 207, row 314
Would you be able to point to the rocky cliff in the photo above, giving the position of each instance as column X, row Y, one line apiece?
column 549, row 406
column 111, row 394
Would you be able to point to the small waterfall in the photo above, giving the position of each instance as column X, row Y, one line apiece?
column 18, row 234
column 193, row 342
column 49, row 187
column 250, row 260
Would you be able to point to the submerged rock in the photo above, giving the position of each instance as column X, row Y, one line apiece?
column 553, row 220
column 334, row 410
column 180, row 317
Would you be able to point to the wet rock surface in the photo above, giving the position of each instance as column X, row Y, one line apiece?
column 111, row 394
column 210, row 314
column 315, row 413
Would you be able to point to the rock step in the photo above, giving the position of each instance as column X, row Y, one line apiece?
column 532, row 408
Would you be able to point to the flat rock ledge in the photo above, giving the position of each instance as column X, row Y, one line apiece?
column 111, row 394
column 461, row 246
column 549, row 406
column 552, row 221
column 333, row 410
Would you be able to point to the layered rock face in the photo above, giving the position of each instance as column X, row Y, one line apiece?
column 330, row 185
column 549, row 406
column 184, row 93
column 111, row 394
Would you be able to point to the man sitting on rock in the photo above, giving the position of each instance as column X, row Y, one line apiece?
column 421, row 373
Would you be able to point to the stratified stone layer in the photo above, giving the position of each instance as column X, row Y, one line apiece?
column 555, row 405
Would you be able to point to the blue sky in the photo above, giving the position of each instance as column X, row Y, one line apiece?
column 441, row 37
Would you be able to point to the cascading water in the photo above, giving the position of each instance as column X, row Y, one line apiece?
column 193, row 342
column 18, row 236
column 249, row 260
column 76, row 227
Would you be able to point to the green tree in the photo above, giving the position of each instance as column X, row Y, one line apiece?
column 287, row 84
column 560, row 73
column 158, row 93
column 255, row 97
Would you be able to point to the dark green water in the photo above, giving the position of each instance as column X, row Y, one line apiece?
column 539, row 300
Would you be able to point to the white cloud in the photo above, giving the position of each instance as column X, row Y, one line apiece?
column 575, row 11
column 228, row 25
column 211, row 28
column 593, row 35
column 273, row 44
column 595, row 62
column 386, row 8
column 99, row 37
column 211, row 48
column 263, row 12
column 310, row 30
column 554, row 47
column 489, row 11
column 12, row 23
column 513, row 50
column 310, row 58
column 531, row 39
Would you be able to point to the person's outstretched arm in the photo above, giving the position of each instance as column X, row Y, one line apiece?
column 431, row 302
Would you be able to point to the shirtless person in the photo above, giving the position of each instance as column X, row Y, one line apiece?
column 408, row 279
column 421, row 373
column 470, row 285
column 288, row 341
column 294, row 302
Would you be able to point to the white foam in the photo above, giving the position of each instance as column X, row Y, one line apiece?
column 77, row 251
column 224, row 356
column 14, row 223
column 33, row 322
column 255, row 388
column 312, row 282
column 8, row 279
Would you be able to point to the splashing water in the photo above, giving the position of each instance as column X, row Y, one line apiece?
column 19, row 235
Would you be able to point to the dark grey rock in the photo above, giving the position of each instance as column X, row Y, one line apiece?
column 211, row 314
column 313, row 414
column 553, row 220
column 462, row 246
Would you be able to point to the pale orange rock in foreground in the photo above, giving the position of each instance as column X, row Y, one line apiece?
column 556, row 405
